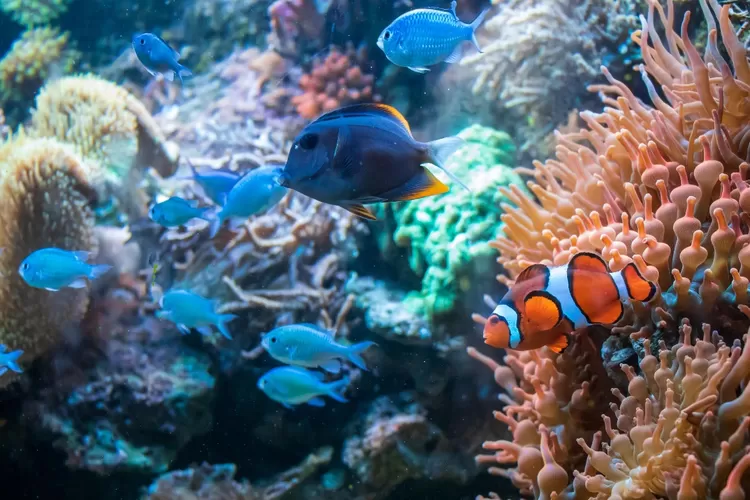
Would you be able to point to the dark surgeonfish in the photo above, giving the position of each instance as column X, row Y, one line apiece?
column 362, row 154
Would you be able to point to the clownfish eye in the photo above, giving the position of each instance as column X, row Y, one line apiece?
column 387, row 35
column 494, row 320
column 308, row 141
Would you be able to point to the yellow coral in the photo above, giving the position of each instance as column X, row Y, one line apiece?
column 32, row 13
column 108, row 127
column 45, row 202
column 36, row 55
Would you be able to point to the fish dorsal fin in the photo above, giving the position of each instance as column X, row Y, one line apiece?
column 588, row 261
column 317, row 328
column 82, row 255
column 174, row 52
column 451, row 9
column 375, row 108
column 542, row 310
column 535, row 271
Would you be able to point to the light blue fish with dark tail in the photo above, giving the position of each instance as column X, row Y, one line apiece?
column 189, row 310
column 176, row 212
column 54, row 268
column 290, row 385
column 9, row 360
column 216, row 183
column 424, row 37
column 255, row 192
column 158, row 57
column 312, row 347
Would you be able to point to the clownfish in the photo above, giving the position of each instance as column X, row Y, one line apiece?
column 546, row 304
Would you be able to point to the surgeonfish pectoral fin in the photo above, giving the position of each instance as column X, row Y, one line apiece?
column 419, row 69
column 474, row 25
column 559, row 344
column 359, row 210
column 422, row 185
column 343, row 160
column 639, row 288
column 440, row 150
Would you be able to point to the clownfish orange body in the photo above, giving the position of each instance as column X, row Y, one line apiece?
column 547, row 303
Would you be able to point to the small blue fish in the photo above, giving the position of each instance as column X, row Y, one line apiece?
column 310, row 346
column 54, row 268
column 255, row 192
column 176, row 212
column 424, row 37
column 158, row 57
column 292, row 386
column 8, row 360
column 190, row 310
column 216, row 184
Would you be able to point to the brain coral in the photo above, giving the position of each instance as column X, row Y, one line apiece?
column 38, row 53
column 664, row 185
column 32, row 13
column 446, row 236
column 45, row 202
column 108, row 127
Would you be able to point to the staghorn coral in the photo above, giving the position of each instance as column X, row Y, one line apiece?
column 681, row 431
column 535, row 52
column 45, row 202
column 335, row 80
column 663, row 185
column 446, row 236
column 31, row 13
column 111, row 129
column 34, row 57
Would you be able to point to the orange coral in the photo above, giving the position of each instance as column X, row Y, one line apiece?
column 338, row 79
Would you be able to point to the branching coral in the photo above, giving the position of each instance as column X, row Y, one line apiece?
column 680, row 432
column 36, row 55
column 111, row 129
column 535, row 52
column 32, row 13
column 338, row 79
column 45, row 203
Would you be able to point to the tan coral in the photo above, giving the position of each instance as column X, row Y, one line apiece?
column 110, row 127
column 45, row 203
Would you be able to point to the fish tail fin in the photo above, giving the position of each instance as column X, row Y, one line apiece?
column 183, row 72
column 639, row 288
column 221, row 324
column 474, row 25
column 353, row 354
column 440, row 150
column 216, row 221
column 98, row 271
column 335, row 389
column 11, row 361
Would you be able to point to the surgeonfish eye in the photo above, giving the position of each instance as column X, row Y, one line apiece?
column 308, row 141
column 387, row 35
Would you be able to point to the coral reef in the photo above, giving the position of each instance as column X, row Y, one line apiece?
column 46, row 203
column 294, row 23
column 38, row 54
column 535, row 52
column 112, row 130
column 338, row 79
column 661, row 185
column 446, row 236
column 31, row 13
column 142, row 397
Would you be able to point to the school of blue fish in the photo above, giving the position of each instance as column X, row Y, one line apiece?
column 350, row 157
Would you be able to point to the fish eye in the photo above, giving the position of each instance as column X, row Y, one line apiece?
column 143, row 41
column 387, row 35
column 494, row 320
column 273, row 340
column 308, row 141
column 25, row 266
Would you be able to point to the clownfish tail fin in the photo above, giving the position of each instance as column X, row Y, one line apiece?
column 560, row 343
column 639, row 288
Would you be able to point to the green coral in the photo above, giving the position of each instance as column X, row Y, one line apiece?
column 32, row 13
column 448, row 236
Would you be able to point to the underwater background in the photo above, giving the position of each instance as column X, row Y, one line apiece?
column 143, row 366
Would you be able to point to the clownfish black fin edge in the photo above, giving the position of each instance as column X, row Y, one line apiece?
column 635, row 283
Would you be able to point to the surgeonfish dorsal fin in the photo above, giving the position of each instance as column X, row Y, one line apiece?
column 535, row 271
column 542, row 310
column 593, row 289
column 639, row 288
column 374, row 108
